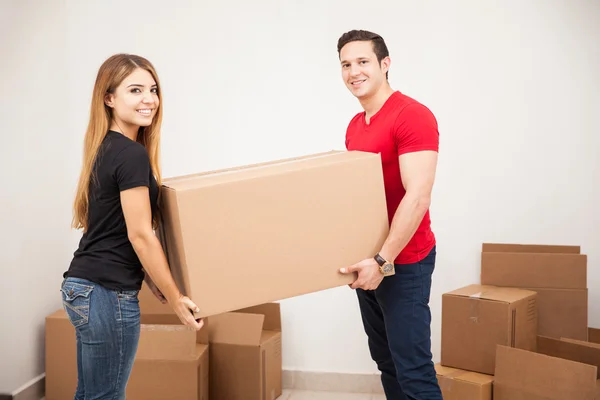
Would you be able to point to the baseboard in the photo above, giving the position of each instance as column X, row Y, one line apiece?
column 332, row 381
column 32, row 390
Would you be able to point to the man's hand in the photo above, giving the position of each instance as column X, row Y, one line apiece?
column 369, row 275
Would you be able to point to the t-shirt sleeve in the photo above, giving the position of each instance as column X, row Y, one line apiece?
column 416, row 129
column 132, row 167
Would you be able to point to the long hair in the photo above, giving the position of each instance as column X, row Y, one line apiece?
column 110, row 75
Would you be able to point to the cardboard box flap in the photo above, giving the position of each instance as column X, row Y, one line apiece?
column 581, row 343
column 521, row 374
column 167, row 342
column 534, row 270
column 236, row 328
column 272, row 314
column 569, row 350
column 493, row 293
column 594, row 335
column 228, row 175
column 172, row 319
column 529, row 248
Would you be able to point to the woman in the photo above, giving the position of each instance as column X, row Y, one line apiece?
column 116, row 206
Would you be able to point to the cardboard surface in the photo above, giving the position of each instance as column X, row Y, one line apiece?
column 569, row 349
column 562, row 313
column 476, row 318
column 457, row 384
column 245, row 358
column 594, row 335
column 261, row 233
column 169, row 363
column 529, row 248
column 534, row 270
column 525, row 375
column 557, row 273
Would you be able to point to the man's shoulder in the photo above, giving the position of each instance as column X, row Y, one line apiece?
column 407, row 105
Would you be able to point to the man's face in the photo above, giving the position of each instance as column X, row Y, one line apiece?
column 361, row 72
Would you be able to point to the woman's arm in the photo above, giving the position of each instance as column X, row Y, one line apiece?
column 138, row 218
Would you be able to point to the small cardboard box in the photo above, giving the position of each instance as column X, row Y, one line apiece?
column 476, row 318
column 245, row 358
column 169, row 363
column 526, row 375
column 557, row 273
column 457, row 384
column 244, row 236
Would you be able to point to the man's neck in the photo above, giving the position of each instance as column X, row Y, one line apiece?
column 374, row 103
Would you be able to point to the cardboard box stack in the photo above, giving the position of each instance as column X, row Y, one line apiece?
column 525, row 327
column 237, row 241
column 171, row 361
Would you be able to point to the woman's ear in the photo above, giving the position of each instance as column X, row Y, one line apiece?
column 109, row 100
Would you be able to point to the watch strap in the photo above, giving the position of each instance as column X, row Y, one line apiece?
column 380, row 260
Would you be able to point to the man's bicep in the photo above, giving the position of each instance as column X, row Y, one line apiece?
column 416, row 130
column 418, row 171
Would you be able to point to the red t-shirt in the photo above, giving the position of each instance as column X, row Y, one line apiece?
column 402, row 125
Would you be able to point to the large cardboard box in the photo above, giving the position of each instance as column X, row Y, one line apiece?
column 526, row 375
column 476, row 318
column 557, row 273
column 457, row 384
column 245, row 358
column 169, row 363
column 251, row 235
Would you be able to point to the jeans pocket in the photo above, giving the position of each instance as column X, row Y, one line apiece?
column 128, row 295
column 76, row 301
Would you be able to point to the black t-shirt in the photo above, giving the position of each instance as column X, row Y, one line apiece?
column 105, row 254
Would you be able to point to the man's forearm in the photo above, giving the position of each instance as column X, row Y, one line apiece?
column 406, row 221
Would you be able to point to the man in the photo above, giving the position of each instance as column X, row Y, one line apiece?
column 393, row 287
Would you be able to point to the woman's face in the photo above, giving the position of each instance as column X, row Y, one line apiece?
column 135, row 101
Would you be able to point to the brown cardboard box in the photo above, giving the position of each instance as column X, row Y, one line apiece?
column 245, row 354
column 476, row 318
column 539, row 270
column 557, row 273
column 562, row 312
column 570, row 349
column 261, row 233
column 525, row 375
column 169, row 363
column 593, row 335
column 529, row 248
column 457, row 384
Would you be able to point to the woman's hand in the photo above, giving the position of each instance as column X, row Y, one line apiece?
column 185, row 308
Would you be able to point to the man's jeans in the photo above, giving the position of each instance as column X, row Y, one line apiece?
column 397, row 320
column 107, row 327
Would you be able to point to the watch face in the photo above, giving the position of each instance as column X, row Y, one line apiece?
column 388, row 268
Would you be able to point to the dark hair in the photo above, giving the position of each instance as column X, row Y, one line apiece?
column 379, row 47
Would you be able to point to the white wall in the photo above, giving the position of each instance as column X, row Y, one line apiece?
column 514, row 86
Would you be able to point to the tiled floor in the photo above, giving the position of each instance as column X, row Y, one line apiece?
column 308, row 395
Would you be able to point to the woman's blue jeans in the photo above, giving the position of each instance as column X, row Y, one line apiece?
column 107, row 326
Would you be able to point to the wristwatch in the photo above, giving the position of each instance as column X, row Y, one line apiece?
column 386, row 267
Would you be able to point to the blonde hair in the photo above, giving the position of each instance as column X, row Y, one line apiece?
column 110, row 75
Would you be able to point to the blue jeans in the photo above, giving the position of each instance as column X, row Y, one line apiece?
column 107, row 327
column 397, row 320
